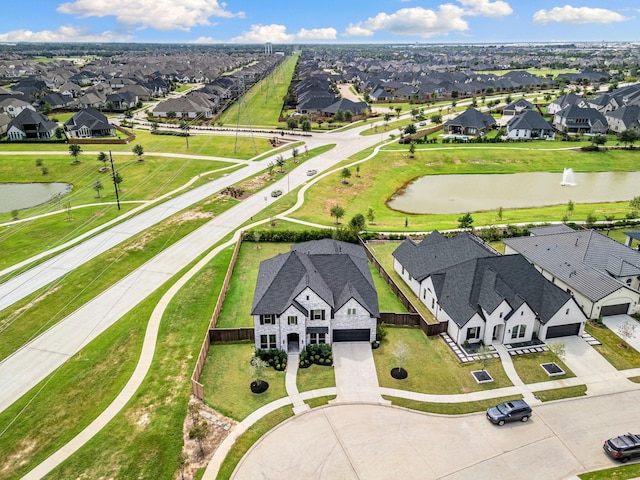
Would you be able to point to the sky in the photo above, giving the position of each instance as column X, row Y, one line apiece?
column 325, row 21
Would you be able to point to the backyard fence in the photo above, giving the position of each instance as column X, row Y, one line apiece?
column 231, row 334
column 196, row 387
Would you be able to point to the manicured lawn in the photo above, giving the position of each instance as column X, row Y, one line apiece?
column 615, row 473
column 226, row 378
column 389, row 171
column 387, row 300
column 314, row 377
column 449, row 408
column 560, row 393
column 263, row 103
column 236, row 310
column 432, row 367
column 144, row 439
column 621, row 358
column 529, row 369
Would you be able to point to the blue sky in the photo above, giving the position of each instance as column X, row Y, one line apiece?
column 323, row 21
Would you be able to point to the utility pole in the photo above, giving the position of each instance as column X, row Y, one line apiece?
column 113, row 176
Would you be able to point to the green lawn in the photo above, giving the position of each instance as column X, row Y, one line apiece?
column 560, row 393
column 615, row 473
column 621, row 358
column 390, row 171
column 226, row 378
column 314, row 377
column 449, row 408
column 431, row 365
column 387, row 300
column 263, row 103
column 529, row 370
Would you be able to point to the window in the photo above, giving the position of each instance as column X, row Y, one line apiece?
column 267, row 342
column 566, row 312
column 433, row 303
column 267, row 319
column 501, row 313
column 351, row 311
column 317, row 315
column 473, row 333
column 628, row 281
column 315, row 338
column 292, row 320
column 518, row 331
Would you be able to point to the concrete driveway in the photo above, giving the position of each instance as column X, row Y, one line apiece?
column 372, row 441
column 355, row 371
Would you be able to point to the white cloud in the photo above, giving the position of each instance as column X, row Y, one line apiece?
column 357, row 31
column 158, row 14
column 487, row 9
column 415, row 21
column 64, row 34
column 206, row 40
column 569, row 14
column 275, row 33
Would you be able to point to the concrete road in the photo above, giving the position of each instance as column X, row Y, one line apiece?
column 370, row 441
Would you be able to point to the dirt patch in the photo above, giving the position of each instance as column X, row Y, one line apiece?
column 256, row 183
column 400, row 163
column 29, row 305
column 219, row 428
column 21, row 457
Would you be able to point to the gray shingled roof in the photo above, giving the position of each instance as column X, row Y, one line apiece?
column 551, row 229
column 335, row 271
column 585, row 260
column 529, row 120
column 472, row 118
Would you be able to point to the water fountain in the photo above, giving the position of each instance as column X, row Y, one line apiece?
column 568, row 178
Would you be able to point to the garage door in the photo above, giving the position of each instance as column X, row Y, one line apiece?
column 563, row 330
column 352, row 335
column 619, row 309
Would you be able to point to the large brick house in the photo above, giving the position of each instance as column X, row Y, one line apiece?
column 319, row 292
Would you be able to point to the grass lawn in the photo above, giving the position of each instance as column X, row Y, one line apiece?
column 560, row 393
column 614, row 473
column 387, row 300
column 236, row 310
column 620, row 358
column 449, row 408
column 264, row 100
column 251, row 436
column 226, row 378
column 432, row 367
column 529, row 369
column 144, row 440
column 390, row 171
column 37, row 425
column 314, row 377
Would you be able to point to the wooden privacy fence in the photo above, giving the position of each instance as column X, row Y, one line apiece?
column 231, row 334
column 196, row 387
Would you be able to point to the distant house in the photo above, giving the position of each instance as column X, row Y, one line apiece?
column 624, row 118
column 89, row 123
column 182, row 107
column 484, row 296
column 568, row 100
column 603, row 275
column 30, row 125
column 470, row 122
column 346, row 105
column 529, row 125
column 121, row 101
column 517, row 107
column 56, row 100
column 320, row 292
column 574, row 119
column 13, row 106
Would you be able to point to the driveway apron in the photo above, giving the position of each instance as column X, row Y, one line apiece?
column 356, row 378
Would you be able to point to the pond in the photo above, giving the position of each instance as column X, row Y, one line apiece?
column 18, row 196
column 447, row 194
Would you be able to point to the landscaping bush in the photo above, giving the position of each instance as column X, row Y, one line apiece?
column 320, row 354
column 274, row 357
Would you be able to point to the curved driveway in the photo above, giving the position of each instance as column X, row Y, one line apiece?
column 346, row 442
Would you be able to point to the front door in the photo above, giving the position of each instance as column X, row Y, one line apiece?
column 293, row 343
column 497, row 333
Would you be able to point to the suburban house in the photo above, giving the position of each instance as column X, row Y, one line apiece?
column 470, row 122
column 89, row 123
column 13, row 106
column 568, row 100
column 182, row 107
column 319, row 292
column 601, row 274
column 624, row 118
column 574, row 119
column 485, row 296
column 517, row 107
column 529, row 125
column 31, row 125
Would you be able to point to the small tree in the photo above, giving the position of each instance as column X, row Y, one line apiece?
column 138, row 150
column 292, row 123
column 102, row 157
column 75, row 150
column 14, row 214
column 199, row 434
column 306, row 126
column 570, row 207
column 410, row 129
column 484, row 356
column 183, row 463
column 345, row 174
column 386, row 117
column 626, row 331
column 634, row 203
column 357, row 223
column 500, row 212
column 97, row 186
column 628, row 137
column 39, row 162
column 294, row 155
column 358, row 170
column 436, row 118
column 591, row 219
column 338, row 116
column 398, row 110
column 117, row 179
column 194, row 412
column 465, row 221
column 258, row 368
column 348, row 116
column 599, row 140
column 412, row 149
column 280, row 161
column 400, row 353
column 558, row 349
column 371, row 216
column 337, row 212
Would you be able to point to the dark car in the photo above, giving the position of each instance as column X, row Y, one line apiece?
column 623, row 448
column 276, row 193
column 509, row 411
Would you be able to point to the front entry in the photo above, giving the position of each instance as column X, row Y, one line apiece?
column 293, row 343
column 497, row 333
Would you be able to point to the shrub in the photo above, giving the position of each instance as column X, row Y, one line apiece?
column 274, row 357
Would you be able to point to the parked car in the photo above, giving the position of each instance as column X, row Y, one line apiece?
column 509, row 412
column 623, row 448
column 311, row 172
column 422, row 124
column 276, row 193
